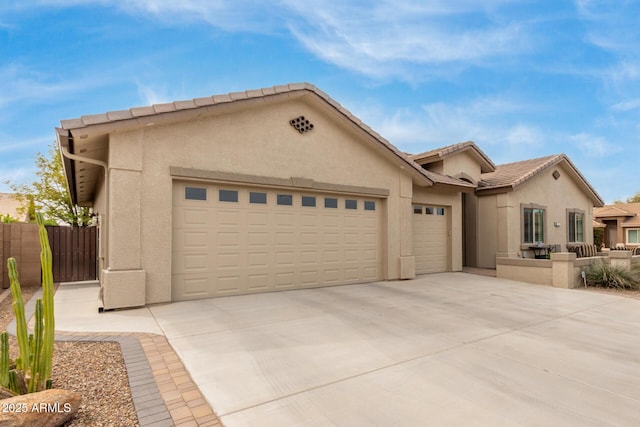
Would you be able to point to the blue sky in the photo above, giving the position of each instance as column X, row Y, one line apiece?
column 522, row 79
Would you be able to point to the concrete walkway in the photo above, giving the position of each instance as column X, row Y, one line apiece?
column 444, row 349
column 163, row 392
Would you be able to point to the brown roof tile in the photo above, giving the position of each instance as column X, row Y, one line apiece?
column 514, row 174
column 164, row 108
column 95, row 119
column 184, row 105
column 119, row 115
column 143, row 111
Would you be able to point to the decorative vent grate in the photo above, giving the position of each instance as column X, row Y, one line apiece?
column 301, row 124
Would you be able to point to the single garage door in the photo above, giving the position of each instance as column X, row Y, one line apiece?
column 231, row 240
column 430, row 238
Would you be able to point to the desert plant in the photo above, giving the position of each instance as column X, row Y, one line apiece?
column 31, row 370
column 613, row 276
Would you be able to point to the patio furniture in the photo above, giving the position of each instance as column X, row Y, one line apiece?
column 583, row 250
column 542, row 251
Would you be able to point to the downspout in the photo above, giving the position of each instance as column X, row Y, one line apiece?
column 103, row 248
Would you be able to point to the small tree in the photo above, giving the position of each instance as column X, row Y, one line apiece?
column 633, row 199
column 7, row 219
column 49, row 193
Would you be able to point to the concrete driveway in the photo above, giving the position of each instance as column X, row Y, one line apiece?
column 444, row 349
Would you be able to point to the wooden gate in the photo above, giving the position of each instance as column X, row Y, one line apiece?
column 75, row 253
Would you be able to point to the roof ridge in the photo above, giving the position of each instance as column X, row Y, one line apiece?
column 187, row 104
column 533, row 159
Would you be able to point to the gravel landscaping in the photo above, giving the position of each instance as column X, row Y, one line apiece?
column 95, row 370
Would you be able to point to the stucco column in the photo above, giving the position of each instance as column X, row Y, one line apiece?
column 563, row 269
column 123, row 281
column 407, row 260
column 506, row 227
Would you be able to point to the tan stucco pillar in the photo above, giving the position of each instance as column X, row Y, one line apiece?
column 407, row 260
column 506, row 227
column 123, row 279
column 563, row 269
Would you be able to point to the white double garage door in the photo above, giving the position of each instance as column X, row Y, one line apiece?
column 233, row 240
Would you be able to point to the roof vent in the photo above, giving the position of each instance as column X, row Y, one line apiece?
column 301, row 124
column 556, row 174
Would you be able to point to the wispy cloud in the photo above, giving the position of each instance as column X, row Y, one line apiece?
column 380, row 38
column 150, row 96
column 628, row 105
column 489, row 121
column 385, row 39
column 594, row 146
column 19, row 83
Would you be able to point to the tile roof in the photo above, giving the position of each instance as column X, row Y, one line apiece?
column 191, row 104
column 629, row 210
column 513, row 174
column 443, row 152
column 140, row 116
column 510, row 175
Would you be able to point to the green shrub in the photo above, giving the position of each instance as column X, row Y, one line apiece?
column 613, row 276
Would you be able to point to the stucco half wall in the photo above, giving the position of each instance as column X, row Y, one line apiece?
column 251, row 145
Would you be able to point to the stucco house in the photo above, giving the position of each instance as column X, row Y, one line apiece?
column 283, row 188
column 517, row 209
column 621, row 223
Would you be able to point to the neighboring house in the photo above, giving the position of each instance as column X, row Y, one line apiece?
column 283, row 188
column 9, row 205
column 516, row 206
column 621, row 223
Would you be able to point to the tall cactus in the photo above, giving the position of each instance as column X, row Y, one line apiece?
column 35, row 362
column 36, row 382
column 18, row 309
column 4, row 359
column 46, row 363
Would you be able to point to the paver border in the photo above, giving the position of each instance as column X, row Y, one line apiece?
column 163, row 392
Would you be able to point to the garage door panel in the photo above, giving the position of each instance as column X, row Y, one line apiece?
column 285, row 238
column 230, row 248
column 229, row 284
column 330, row 275
column 229, row 217
column 196, row 286
column 285, row 258
column 228, row 239
column 258, row 239
column 257, row 282
column 258, row 260
column 285, row 279
column 308, row 257
column 191, row 216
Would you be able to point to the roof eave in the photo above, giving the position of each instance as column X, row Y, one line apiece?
column 64, row 139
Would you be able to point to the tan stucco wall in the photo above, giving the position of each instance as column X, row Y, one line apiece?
column 255, row 141
column 500, row 230
column 462, row 163
column 9, row 205
column 453, row 201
